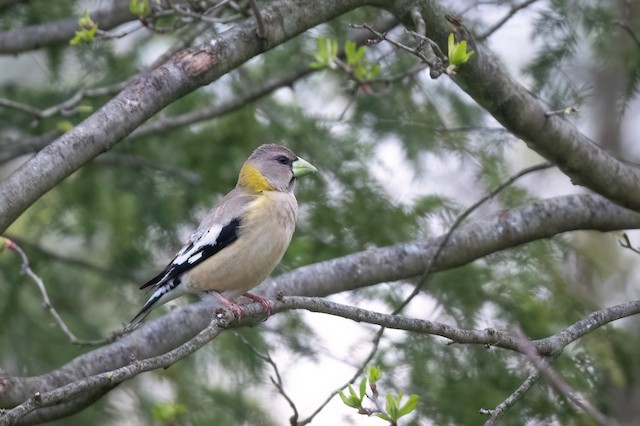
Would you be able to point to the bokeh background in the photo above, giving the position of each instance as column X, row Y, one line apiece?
column 399, row 160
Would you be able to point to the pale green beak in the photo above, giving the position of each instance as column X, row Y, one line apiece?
column 302, row 168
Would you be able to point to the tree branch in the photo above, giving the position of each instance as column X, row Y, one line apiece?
column 255, row 92
column 486, row 81
column 20, row 144
column 557, row 381
column 512, row 399
column 36, row 36
column 46, row 302
column 495, row 27
column 109, row 379
column 188, row 70
column 254, row 313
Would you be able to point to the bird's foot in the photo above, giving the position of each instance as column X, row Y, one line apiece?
column 237, row 310
column 266, row 303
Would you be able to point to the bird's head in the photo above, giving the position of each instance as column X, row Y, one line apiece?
column 273, row 167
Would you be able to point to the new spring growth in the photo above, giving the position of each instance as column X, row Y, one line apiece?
column 87, row 31
column 458, row 54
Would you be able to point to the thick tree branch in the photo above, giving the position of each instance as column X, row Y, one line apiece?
column 36, row 36
column 506, row 229
column 486, row 80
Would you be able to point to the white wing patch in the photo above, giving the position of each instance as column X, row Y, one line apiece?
column 190, row 254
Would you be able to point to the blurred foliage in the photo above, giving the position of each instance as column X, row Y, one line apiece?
column 112, row 224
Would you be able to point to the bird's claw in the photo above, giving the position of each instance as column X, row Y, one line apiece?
column 266, row 303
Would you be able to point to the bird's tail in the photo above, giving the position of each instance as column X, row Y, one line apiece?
column 161, row 295
column 140, row 316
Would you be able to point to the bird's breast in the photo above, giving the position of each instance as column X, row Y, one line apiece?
column 266, row 227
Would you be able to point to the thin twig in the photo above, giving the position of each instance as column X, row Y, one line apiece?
column 8, row 103
column 558, row 382
column 359, row 371
column 68, row 107
column 197, row 16
column 261, row 31
column 182, row 43
column 430, row 47
column 512, row 399
column 629, row 31
column 142, row 162
column 515, row 9
column 81, row 263
column 627, row 243
column 277, row 382
column 564, row 111
column 456, row 224
column 110, row 35
column 548, row 346
column 383, row 36
column 11, row 245
column 437, row 51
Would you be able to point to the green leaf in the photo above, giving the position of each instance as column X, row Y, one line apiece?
column 350, row 52
column 354, row 54
column 409, row 406
column 352, row 400
column 325, row 54
column 85, row 109
column 392, row 407
column 373, row 373
column 384, row 416
column 458, row 54
column 87, row 30
column 140, row 7
column 64, row 125
column 363, row 389
column 451, row 43
column 352, row 393
column 167, row 412
column 85, row 20
column 375, row 71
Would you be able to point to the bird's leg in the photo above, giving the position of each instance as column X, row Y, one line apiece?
column 261, row 300
column 237, row 309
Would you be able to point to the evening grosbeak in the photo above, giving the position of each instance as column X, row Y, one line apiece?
column 241, row 240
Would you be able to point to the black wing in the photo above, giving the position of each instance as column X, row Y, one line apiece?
column 197, row 252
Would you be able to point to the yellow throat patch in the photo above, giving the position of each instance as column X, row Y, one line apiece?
column 252, row 179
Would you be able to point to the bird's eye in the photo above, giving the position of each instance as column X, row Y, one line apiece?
column 283, row 160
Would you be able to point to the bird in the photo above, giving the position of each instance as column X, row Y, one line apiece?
column 242, row 238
